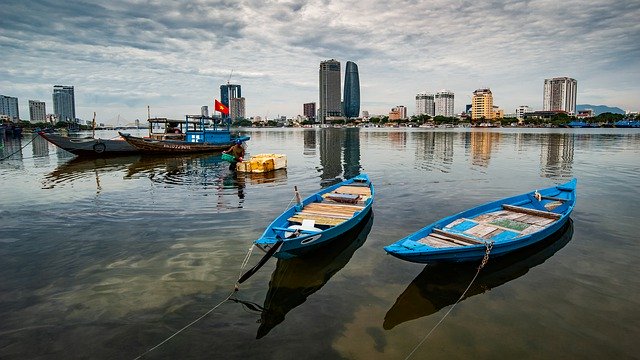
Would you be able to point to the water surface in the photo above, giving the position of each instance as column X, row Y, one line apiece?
column 106, row 258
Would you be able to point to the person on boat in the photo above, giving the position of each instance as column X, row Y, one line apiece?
column 237, row 150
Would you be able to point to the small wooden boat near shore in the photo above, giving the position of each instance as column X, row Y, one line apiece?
column 499, row 227
column 319, row 219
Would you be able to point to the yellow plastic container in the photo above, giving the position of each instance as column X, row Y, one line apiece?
column 262, row 163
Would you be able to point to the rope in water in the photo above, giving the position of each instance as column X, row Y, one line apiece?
column 17, row 151
column 485, row 259
column 236, row 288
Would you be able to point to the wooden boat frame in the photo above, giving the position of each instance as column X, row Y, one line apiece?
column 465, row 236
column 326, row 209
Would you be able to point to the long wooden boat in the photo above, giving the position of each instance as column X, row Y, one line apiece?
column 503, row 226
column 90, row 146
column 319, row 219
column 196, row 134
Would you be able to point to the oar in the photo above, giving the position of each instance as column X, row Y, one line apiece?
column 260, row 263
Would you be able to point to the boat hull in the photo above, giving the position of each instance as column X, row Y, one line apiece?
column 151, row 146
column 429, row 244
column 90, row 146
column 312, row 241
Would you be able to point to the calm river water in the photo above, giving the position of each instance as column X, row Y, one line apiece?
column 104, row 259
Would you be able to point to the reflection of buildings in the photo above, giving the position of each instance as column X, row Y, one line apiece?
column 40, row 147
column 332, row 143
column 556, row 159
column 481, row 145
column 435, row 150
column 309, row 139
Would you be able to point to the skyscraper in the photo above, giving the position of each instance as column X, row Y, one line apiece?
column 64, row 103
column 236, row 108
column 9, row 107
column 444, row 103
column 229, row 91
column 330, row 104
column 482, row 105
column 560, row 95
column 37, row 111
column 425, row 104
column 351, row 97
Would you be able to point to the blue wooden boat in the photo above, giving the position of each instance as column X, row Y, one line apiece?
column 504, row 225
column 317, row 220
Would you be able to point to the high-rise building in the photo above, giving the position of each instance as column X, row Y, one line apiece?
column 64, row 103
column 229, row 91
column 398, row 113
column 9, row 107
column 330, row 104
column 309, row 111
column 560, row 94
column 351, row 97
column 236, row 108
column 37, row 111
column 482, row 105
column 425, row 104
column 204, row 111
column 444, row 103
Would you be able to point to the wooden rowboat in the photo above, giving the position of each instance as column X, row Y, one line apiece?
column 319, row 219
column 499, row 227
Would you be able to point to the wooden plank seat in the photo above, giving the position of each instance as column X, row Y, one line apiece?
column 356, row 190
column 529, row 211
column 319, row 219
column 457, row 236
column 437, row 242
column 334, row 207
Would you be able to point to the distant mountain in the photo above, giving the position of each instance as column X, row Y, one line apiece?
column 599, row 109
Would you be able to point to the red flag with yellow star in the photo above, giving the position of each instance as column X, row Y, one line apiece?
column 220, row 107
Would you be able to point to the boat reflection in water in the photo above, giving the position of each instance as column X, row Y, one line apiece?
column 195, row 169
column 294, row 280
column 442, row 285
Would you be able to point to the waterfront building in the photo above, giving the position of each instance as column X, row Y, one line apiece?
column 204, row 111
column 398, row 113
column 560, row 94
column 425, row 104
column 9, row 107
column 237, row 108
column 482, row 105
column 64, row 103
column 330, row 104
column 37, row 111
column 498, row 113
column 521, row 110
column 309, row 111
column 351, row 97
column 444, row 103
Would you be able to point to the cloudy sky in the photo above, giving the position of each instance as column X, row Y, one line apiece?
column 173, row 56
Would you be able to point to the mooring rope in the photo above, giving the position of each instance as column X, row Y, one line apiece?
column 17, row 151
column 235, row 289
column 485, row 259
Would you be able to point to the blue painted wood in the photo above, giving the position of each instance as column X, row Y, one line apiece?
column 410, row 249
column 310, row 241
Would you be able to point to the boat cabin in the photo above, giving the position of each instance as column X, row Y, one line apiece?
column 194, row 128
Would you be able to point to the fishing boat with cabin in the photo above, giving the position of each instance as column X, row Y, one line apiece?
column 198, row 134
column 319, row 219
column 495, row 228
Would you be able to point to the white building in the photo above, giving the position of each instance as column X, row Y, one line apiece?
column 37, row 111
column 444, row 103
column 560, row 94
column 520, row 110
column 425, row 104
column 9, row 107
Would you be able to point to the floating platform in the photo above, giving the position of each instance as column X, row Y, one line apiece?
column 263, row 163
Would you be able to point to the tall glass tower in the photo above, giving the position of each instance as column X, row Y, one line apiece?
column 329, row 90
column 64, row 103
column 351, row 96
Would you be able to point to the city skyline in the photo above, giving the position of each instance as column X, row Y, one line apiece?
column 173, row 57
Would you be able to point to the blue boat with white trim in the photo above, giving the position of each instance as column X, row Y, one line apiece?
column 499, row 227
column 319, row 219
